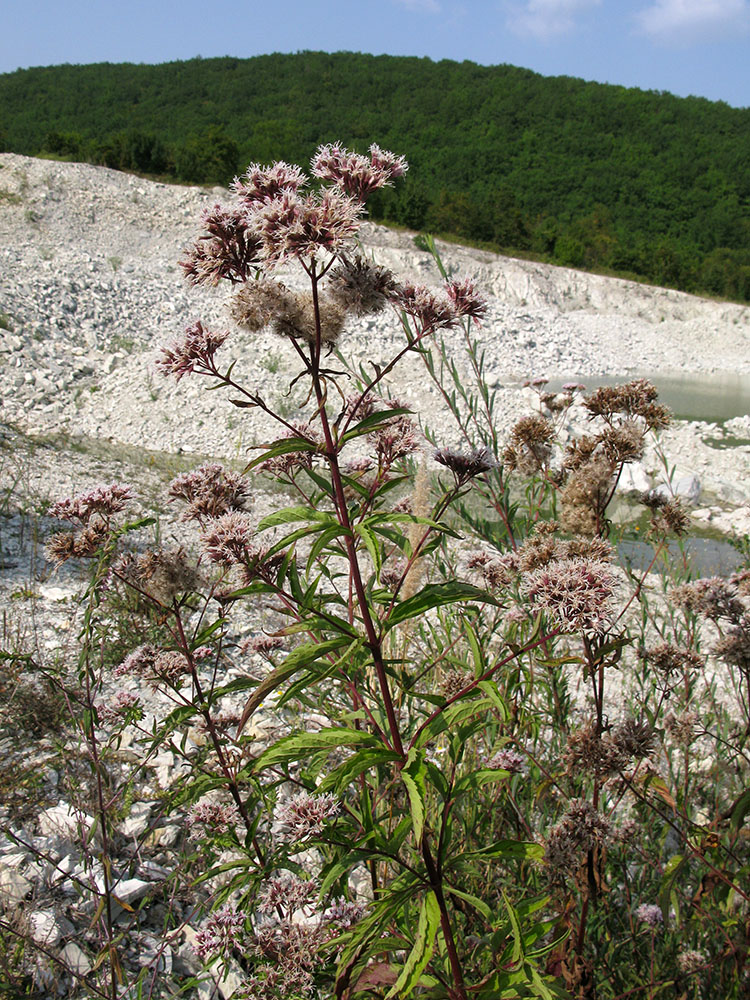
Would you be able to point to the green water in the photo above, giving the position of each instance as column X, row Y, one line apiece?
column 713, row 398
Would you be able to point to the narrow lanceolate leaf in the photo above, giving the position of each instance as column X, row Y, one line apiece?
column 421, row 952
column 290, row 515
column 360, row 762
column 284, row 446
column 512, row 850
column 413, row 776
column 435, row 595
column 301, row 745
column 300, row 657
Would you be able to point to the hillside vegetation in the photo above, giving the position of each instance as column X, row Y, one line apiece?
column 581, row 174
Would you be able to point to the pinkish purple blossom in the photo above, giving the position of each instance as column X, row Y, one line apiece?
column 210, row 491
column 650, row 914
column 225, row 250
column 194, row 353
column 466, row 299
column 229, row 539
column 575, row 592
column 292, row 226
column 288, row 893
column 305, row 815
column 430, row 310
column 356, row 174
column 344, row 913
column 465, row 465
column 102, row 500
column 262, row 183
column 122, row 704
column 213, row 817
column 140, row 662
column 508, row 760
column 224, row 929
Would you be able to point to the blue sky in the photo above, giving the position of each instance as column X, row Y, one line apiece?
column 699, row 47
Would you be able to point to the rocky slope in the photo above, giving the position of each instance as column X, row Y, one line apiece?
column 89, row 289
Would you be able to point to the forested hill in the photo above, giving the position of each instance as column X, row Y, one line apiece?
column 583, row 174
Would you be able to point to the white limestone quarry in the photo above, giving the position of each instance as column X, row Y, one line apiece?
column 90, row 288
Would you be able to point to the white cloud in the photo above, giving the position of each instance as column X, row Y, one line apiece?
column 544, row 19
column 421, row 6
column 688, row 20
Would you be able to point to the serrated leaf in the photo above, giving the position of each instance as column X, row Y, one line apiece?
column 300, row 745
column 284, row 446
column 416, row 805
column 296, row 660
column 478, row 904
column 358, row 763
column 436, row 595
column 512, row 850
column 290, row 515
column 421, row 952
column 740, row 810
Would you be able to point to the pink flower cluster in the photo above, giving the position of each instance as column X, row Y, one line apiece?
column 355, row 174
column 102, row 500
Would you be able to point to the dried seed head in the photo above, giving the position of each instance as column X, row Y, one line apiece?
column 530, row 447
column 634, row 399
column 581, row 829
column 583, row 499
column 734, row 646
column 361, row 286
column 712, row 597
column 669, row 659
column 164, row 575
column 466, row 465
column 455, row 681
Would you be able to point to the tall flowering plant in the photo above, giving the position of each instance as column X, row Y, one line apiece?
column 409, row 797
column 372, row 793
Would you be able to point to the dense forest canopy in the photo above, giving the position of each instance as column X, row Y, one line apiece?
column 583, row 174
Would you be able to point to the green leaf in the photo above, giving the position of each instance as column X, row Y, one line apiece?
column 518, row 952
column 289, row 515
column 300, row 745
column 370, row 423
column 478, row 904
column 421, row 952
column 361, row 761
column 740, row 809
column 298, row 658
column 413, row 776
column 476, row 780
column 374, row 547
column 325, row 537
column 490, row 689
column 284, row 446
column 510, row 850
column 435, row 595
